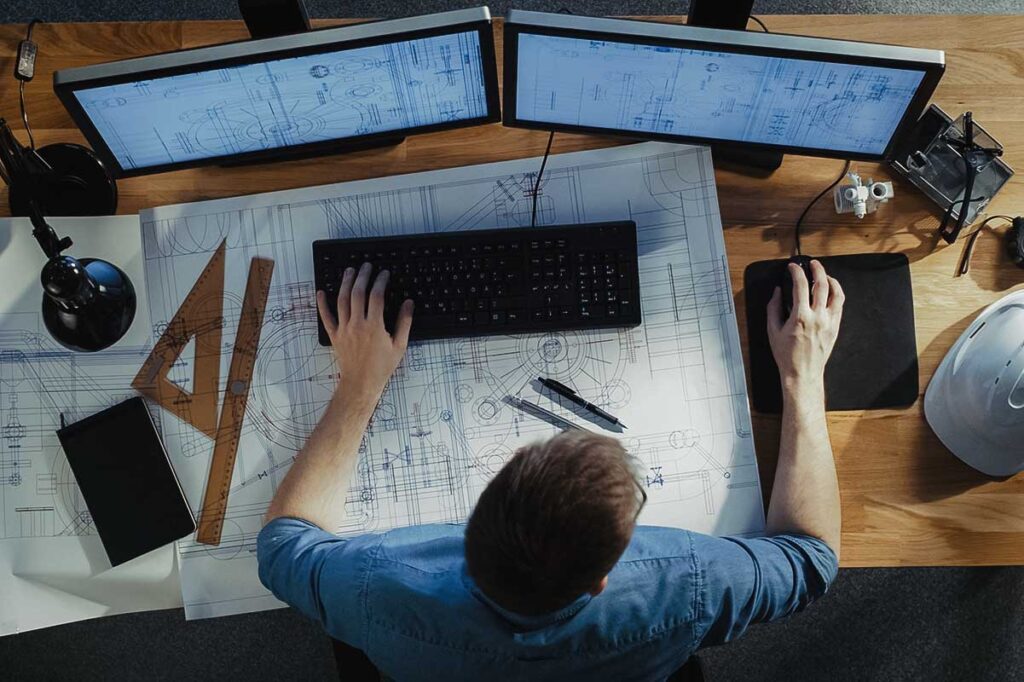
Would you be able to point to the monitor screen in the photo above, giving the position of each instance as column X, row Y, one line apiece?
column 313, row 98
column 653, row 80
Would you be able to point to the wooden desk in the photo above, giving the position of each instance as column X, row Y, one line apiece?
column 906, row 500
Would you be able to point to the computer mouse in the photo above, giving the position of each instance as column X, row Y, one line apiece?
column 786, row 282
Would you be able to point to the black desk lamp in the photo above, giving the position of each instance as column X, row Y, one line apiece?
column 88, row 304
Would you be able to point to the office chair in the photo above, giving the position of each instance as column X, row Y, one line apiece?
column 354, row 666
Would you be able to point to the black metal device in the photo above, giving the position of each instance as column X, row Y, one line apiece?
column 88, row 304
column 503, row 281
column 72, row 181
column 731, row 14
column 955, row 163
column 1015, row 242
column 271, row 18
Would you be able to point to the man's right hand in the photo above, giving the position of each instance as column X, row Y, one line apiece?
column 802, row 343
column 366, row 353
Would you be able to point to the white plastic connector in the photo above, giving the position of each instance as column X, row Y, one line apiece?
column 859, row 198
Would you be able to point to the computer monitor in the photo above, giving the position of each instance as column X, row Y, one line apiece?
column 680, row 83
column 302, row 94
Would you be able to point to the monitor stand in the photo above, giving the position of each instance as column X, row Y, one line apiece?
column 733, row 15
column 272, row 18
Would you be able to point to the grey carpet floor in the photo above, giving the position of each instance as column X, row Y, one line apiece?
column 928, row 624
column 142, row 10
column 934, row 624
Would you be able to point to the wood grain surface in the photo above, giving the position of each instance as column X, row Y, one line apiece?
column 906, row 499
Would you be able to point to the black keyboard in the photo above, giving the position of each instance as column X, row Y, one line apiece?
column 506, row 281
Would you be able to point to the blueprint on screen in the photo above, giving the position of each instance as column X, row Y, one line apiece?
column 290, row 101
column 441, row 430
column 716, row 95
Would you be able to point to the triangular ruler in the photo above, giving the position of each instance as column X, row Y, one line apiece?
column 201, row 315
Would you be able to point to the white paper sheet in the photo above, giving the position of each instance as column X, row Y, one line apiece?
column 442, row 429
column 52, row 565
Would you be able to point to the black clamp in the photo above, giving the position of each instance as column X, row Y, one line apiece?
column 1015, row 242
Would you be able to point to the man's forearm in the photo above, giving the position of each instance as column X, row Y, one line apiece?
column 317, row 483
column 805, row 495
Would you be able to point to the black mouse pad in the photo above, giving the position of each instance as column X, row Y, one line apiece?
column 874, row 363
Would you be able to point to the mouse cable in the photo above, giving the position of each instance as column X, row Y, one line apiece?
column 815, row 200
column 540, row 174
column 24, row 70
column 759, row 23
column 968, row 253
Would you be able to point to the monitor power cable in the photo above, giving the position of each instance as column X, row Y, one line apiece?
column 759, row 23
column 965, row 259
column 540, row 174
column 815, row 200
column 24, row 71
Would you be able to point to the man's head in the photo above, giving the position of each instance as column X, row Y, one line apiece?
column 553, row 522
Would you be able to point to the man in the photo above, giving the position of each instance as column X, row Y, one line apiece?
column 550, row 579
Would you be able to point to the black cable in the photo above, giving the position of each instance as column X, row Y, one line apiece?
column 759, row 23
column 800, row 220
column 21, row 92
column 540, row 174
column 968, row 253
column 24, row 115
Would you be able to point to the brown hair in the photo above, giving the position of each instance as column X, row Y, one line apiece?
column 553, row 522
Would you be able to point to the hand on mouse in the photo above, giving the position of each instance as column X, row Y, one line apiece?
column 803, row 342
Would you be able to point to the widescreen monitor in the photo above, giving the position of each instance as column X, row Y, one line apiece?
column 314, row 92
column 673, row 82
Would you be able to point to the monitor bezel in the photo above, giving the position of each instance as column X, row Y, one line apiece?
column 65, row 89
column 932, row 73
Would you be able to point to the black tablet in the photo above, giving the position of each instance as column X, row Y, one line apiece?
column 127, row 481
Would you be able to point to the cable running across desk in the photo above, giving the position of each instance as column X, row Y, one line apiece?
column 21, row 91
column 815, row 200
column 540, row 174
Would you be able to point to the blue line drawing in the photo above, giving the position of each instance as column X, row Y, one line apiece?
column 284, row 102
column 732, row 96
column 442, row 429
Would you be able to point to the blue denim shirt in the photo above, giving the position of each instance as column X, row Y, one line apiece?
column 405, row 599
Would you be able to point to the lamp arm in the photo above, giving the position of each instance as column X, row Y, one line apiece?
column 49, row 242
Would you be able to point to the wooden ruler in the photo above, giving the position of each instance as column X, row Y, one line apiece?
column 201, row 315
column 236, row 395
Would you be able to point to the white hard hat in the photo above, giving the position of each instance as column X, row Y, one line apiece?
column 975, row 401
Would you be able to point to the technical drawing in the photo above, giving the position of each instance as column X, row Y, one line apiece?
column 731, row 96
column 39, row 381
column 442, row 429
column 284, row 102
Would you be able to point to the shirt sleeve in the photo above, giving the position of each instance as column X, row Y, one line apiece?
column 747, row 581
column 320, row 574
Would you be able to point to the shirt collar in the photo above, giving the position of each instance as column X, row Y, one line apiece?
column 523, row 622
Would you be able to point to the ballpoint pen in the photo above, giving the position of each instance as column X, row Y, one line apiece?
column 571, row 395
column 539, row 412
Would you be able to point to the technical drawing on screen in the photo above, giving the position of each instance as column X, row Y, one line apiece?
column 671, row 82
column 732, row 96
column 276, row 103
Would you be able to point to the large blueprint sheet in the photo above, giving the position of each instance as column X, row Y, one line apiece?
column 442, row 430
